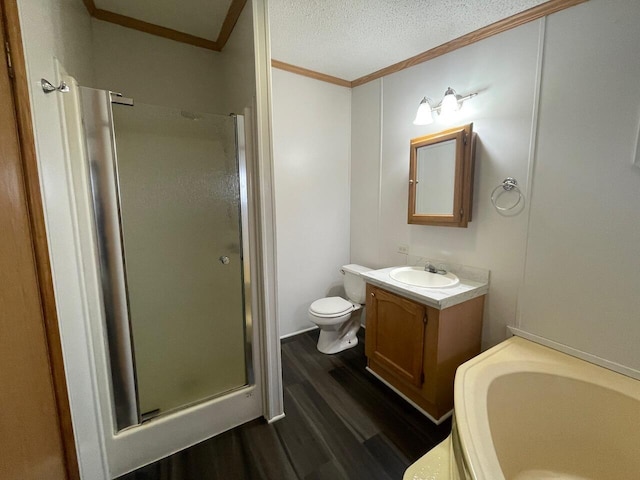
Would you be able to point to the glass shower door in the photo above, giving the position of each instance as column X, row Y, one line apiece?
column 177, row 175
column 167, row 256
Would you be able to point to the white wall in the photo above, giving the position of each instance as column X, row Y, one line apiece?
column 571, row 152
column 311, row 148
column 366, row 122
column 62, row 29
column 238, row 66
column 583, row 259
column 157, row 70
column 503, row 69
column 160, row 71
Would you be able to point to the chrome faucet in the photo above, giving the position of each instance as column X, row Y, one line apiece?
column 431, row 269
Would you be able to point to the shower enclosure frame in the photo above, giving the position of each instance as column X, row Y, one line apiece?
column 60, row 151
column 105, row 198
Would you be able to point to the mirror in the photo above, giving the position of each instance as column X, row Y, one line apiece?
column 441, row 178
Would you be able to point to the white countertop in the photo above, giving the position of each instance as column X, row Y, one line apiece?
column 439, row 298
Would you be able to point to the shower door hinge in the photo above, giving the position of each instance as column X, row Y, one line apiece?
column 7, row 49
column 118, row 99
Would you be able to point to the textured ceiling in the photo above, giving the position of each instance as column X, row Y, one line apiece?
column 343, row 38
column 202, row 18
column 352, row 38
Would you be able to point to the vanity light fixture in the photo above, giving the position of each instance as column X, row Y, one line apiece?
column 424, row 116
column 450, row 103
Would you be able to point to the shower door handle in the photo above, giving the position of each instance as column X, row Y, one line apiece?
column 224, row 260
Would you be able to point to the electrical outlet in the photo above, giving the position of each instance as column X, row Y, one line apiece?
column 403, row 249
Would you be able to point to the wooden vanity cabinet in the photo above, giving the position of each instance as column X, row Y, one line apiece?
column 416, row 348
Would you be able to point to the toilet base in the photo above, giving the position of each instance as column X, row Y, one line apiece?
column 338, row 340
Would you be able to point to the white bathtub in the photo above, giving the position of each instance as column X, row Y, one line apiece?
column 525, row 412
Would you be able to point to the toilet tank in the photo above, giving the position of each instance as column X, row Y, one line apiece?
column 354, row 284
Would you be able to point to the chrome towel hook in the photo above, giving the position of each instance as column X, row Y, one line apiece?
column 47, row 86
column 507, row 185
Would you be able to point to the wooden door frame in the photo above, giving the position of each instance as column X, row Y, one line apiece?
column 11, row 21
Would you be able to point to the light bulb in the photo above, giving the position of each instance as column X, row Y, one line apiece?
column 423, row 116
column 449, row 103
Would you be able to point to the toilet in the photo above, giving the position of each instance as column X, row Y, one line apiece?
column 335, row 315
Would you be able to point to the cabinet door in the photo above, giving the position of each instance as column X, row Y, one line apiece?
column 395, row 334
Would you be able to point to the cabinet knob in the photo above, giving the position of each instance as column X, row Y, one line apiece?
column 373, row 294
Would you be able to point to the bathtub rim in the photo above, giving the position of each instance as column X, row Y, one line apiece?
column 514, row 355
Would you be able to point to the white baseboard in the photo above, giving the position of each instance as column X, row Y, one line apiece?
column 411, row 402
column 298, row 332
column 308, row 330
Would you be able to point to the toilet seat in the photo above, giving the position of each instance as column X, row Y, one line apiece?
column 331, row 307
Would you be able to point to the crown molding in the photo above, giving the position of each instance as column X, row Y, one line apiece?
column 235, row 9
column 500, row 26
column 310, row 73
column 153, row 29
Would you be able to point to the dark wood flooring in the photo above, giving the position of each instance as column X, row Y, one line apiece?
column 341, row 424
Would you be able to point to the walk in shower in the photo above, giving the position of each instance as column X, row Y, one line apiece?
column 169, row 197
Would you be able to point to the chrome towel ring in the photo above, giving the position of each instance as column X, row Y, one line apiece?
column 507, row 185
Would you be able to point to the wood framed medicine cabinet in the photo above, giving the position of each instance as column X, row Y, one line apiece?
column 441, row 178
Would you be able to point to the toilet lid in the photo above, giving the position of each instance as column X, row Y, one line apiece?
column 331, row 306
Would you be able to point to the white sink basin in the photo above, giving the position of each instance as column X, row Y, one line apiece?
column 418, row 277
